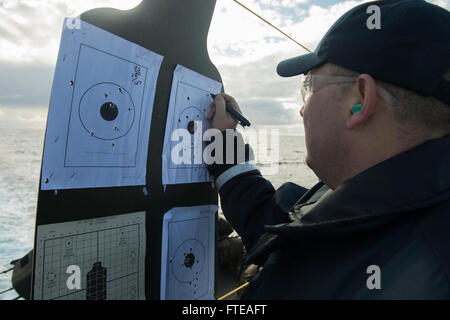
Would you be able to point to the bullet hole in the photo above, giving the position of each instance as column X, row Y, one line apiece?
column 192, row 127
column 109, row 111
column 189, row 260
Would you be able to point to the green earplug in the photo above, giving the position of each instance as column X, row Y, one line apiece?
column 357, row 108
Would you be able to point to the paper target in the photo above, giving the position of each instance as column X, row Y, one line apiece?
column 100, row 111
column 189, row 107
column 103, row 129
column 110, row 253
column 107, row 111
column 189, row 119
column 187, row 262
column 192, row 118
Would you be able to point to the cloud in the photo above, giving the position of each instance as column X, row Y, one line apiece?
column 23, row 117
column 265, row 97
column 245, row 50
column 269, row 112
column 253, row 39
column 25, row 84
column 442, row 3
column 258, row 79
column 30, row 32
column 30, row 29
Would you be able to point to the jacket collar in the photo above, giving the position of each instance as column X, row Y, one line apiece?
column 415, row 179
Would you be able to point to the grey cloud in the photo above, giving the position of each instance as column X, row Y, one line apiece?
column 256, row 85
column 269, row 112
column 25, row 84
column 35, row 31
column 259, row 90
column 259, row 79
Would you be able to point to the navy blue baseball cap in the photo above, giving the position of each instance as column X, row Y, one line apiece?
column 411, row 49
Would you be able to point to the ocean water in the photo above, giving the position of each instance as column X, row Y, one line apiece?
column 20, row 163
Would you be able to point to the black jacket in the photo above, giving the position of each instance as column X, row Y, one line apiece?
column 395, row 215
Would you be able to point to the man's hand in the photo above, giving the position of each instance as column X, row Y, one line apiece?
column 221, row 119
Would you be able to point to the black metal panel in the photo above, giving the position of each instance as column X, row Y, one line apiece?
column 177, row 30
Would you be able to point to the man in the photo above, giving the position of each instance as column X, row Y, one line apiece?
column 377, row 127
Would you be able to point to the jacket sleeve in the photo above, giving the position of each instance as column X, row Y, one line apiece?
column 248, row 200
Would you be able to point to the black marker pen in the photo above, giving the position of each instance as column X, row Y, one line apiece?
column 235, row 114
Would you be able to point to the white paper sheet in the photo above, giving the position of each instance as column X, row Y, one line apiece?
column 189, row 106
column 187, row 260
column 116, row 244
column 100, row 111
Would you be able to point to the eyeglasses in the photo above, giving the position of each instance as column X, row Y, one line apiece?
column 315, row 82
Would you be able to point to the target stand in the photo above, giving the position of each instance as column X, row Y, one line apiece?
column 106, row 117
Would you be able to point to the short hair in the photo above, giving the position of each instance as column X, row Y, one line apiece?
column 423, row 115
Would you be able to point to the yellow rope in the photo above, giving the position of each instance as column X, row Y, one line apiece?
column 234, row 291
column 286, row 35
column 272, row 25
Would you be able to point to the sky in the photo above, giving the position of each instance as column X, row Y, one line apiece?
column 244, row 49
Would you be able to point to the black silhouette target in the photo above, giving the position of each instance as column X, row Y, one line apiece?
column 107, row 111
column 188, row 261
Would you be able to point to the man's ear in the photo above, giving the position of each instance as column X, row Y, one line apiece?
column 367, row 92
